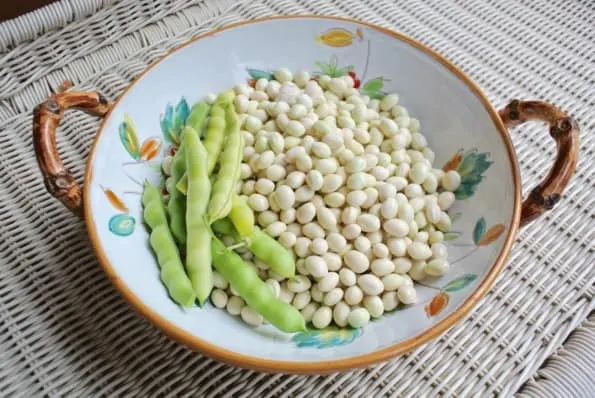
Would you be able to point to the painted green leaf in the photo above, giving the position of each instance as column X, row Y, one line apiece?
column 451, row 235
column 479, row 230
column 326, row 338
column 173, row 120
column 259, row 74
column 129, row 137
column 376, row 95
column 122, row 224
column 472, row 168
column 373, row 85
column 459, row 283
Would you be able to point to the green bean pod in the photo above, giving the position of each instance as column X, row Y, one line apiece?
column 196, row 120
column 177, row 201
column 215, row 136
column 242, row 216
column 257, row 294
column 198, row 254
column 229, row 168
column 263, row 246
column 162, row 242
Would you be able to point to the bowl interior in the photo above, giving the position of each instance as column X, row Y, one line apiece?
column 458, row 125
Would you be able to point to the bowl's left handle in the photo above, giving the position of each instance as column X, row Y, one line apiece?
column 46, row 119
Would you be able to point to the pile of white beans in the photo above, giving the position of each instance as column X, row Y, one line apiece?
column 346, row 182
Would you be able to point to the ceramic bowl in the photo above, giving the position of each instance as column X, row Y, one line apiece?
column 465, row 131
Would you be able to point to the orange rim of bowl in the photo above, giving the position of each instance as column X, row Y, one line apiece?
column 314, row 367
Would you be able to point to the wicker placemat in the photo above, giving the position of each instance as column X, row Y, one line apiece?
column 65, row 331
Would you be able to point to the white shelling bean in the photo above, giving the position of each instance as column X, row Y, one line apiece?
column 398, row 182
column 439, row 250
column 285, row 197
column 417, row 203
column 418, row 141
column 248, row 188
column 375, row 210
column 422, row 236
column 300, row 267
column 304, row 194
column 368, row 223
column 275, row 172
column 295, row 179
column 327, row 166
column 407, row 294
column 333, row 297
column 334, row 199
column 235, row 305
column 328, row 282
column 382, row 266
column 321, row 150
column 388, row 127
column 388, row 102
column 317, row 201
column 319, row 246
column 380, row 173
column 331, row 183
column 357, row 261
column 362, row 244
column 264, row 186
column 349, row 214
column 402, row 170
column 301, row 300
column 370, row 284
column 245, row 171
column 390, row 301
column 446, row 200
column 297, row 111
column 375, row 237
column 258, row 202
column 266, row 218
column 345, row 155
column 435, row 237
column 418, row 271
column 433, row 213
column 322, row 317
column 316, row 294
column 361, row 135
column 314, row 179
column 303, row 162
column 287, row 239
column 437, row 267
column 420, row 219
column 286, row 295
column 308, row 311
column 302, row 247
column 347, row 277
column 326, row 219
column 219, row 282
column 445, row 223
column 414, row 191
column 451, row 180
column 356, row 198
column 393, row 282
column 333, row 261
column 351, row 231
column 386, row 191
column 406, row 212
column 275, row 229
column 313, row 230
column 274, row 286
column 316, row 266
column 430, row 184
column 371, row 197
column 380, row 250
column 358, row 318
column 353, row 295
column 396, row 227
column 336, row 242
column 287, row 216
column 341, row 313
column 389, row 208
column 292, row 142
column 413, row 230
column 295, row 228
column 219, row 298
column 374, row 305
column 397, row 247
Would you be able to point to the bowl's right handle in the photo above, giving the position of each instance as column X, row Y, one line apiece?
column 565, row 131
column 46, row 119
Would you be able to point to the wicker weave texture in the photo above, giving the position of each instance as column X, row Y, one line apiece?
column 65, row 331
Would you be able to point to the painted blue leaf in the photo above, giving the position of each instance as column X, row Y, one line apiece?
column 459, row 283
column 326, row 338
column 166, row 122
column 259, row 74
column 479, row 230
column 173, row 120
column 181, row 113
column 122, row 224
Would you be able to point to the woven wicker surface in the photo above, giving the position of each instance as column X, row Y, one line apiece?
column 65, row 331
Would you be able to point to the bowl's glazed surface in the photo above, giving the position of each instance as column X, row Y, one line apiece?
column 463, row 129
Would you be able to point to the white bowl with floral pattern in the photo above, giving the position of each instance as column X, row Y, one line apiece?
column 465, row 131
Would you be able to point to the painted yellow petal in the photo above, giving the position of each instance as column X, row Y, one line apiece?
column 336, row 38
column 150, row 148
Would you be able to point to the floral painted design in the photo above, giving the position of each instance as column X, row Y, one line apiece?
column 122, row 224
column 326, row 338
column 173, row 120
column 339, row 37
column 441, row 299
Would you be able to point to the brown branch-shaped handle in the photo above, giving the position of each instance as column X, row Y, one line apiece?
column 46, row 119
column 565, row 131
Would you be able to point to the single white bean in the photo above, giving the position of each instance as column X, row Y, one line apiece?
column 313, row 230
column 368, row 222
column 390, row 301
column 382, row 266
column 251, row 317
column 315, row 179
column 304, row 194
column 451, row 180
column 370, row 284
column 374, row 305
column 397, row 247
column 302, row 247
column 336, row 242
column 380, row 250
column 316, row 266
column 276, row 228
column 347, row 277
column 334, row 199
column 407, row 294
column 333, row 261
column 309, row 310
column 351, row 231
column 358, row 318
column 218, row 281
column 437, row 267
column 446, row 200
column 418, row 270
column 319, row 246
column 353, row 295
column 333, row 297
column 341, row 314
column 439, row 250
column 235, row 305
column 328, row 282
column 286, row 295
column 301, row 300
column 396, row 227
column 275, row 286
column 258, row 202
column 322, row 317
column 326, row 218
column 266, row 218
column 219, row 298
column 305, row 213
